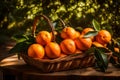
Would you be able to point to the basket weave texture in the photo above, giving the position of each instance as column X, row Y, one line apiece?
column 60, row 64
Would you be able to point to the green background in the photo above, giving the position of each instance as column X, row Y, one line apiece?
column 16, row 16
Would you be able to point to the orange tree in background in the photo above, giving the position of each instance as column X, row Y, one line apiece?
column 16, row 16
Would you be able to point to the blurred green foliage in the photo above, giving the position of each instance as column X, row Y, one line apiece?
column 16, row 16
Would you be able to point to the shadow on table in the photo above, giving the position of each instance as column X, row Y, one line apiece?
column 4, row 49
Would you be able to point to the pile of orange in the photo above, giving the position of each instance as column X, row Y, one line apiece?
column 72, row 42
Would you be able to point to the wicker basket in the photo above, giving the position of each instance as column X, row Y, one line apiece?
column 64, row 63
column 74, row 61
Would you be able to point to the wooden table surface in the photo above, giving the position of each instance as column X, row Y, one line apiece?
column 11, row 65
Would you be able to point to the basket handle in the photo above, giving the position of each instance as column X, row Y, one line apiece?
column 49, row 22
column 63, row 23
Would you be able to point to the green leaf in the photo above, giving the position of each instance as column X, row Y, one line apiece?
column 104, row 50
column 96, row 25
column 78, row 28
column 90, row 34
column 17, row 48
column 23, row 45
column 101, row 59
column 114, row 43
column 20, row 38
column 90, row 50
column 31, row 39
column 20, row 47
column 111, row 45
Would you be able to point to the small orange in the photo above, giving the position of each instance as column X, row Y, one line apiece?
column 103, row 37
column 78, row 51
column 116, row 49
column 86, row 30
column 77, row 34
column 83, row 43
column 55, row 33
column 43, row 37
column 97, row 44
column 52, row 50
column 68, row 33
column 68, row 46
column 36, row 51
column 63, row 55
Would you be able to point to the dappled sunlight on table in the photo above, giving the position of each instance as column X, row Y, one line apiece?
column 12, row 60
column 14, row 64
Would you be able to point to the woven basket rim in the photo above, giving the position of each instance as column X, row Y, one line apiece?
column 66, row 58
column 64, row 63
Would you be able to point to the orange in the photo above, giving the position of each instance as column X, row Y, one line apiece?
column 68, row 46
column 45, row 57
column 116, row 49
column 68, row 32
column 52, row 50
column 55, row 33
column 78, row 51
column 86, row 30
column 97, row 44
column 62, row 55
column 36, row 51
column 103, row 37
column 77, row 34
column 83, row 43
column 43, row 37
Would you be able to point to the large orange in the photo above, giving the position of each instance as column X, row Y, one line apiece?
column 83, row 43
column 36, row 51
column 68, row 46
column 69, row 33
column 43, row 37
column 103, row 37
column 53, row 50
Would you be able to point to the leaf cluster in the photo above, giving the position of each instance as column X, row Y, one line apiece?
column 23, row 43
column 100, row 53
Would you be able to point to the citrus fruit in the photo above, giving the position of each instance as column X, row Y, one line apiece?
column 77, row 34
column 68, row 32
column 83, row 43
column 55, row 33
column 78, row 51
column 63, row 55
column 116, row 49
column 86, row 30
column 36, row 51
column 97, row 44
column 43, row 37
column 103, row 37
column 68, row 46
column 52, row 50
